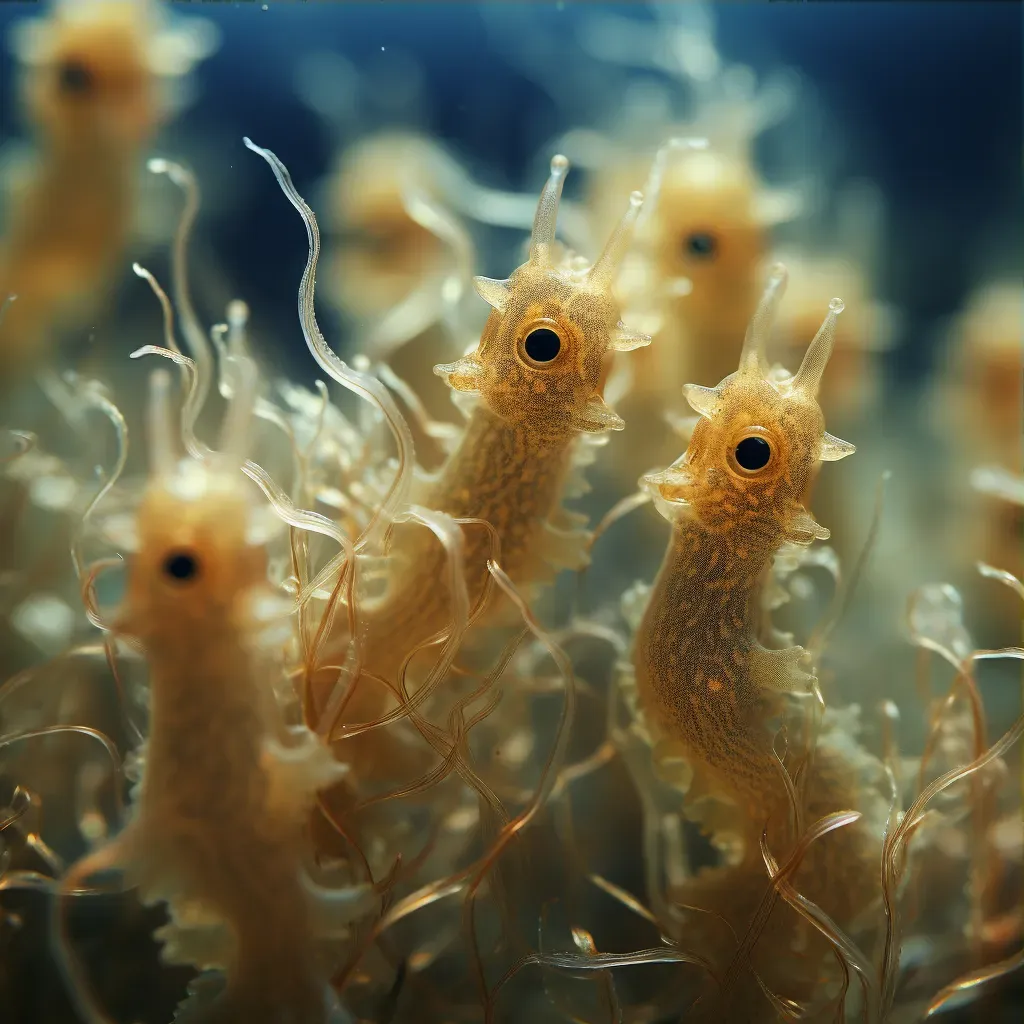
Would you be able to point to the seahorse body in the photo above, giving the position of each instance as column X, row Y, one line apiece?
column 711, row 689
column 218, row 827
column 536, row 377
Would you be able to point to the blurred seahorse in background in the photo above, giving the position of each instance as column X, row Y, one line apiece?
column 92, row 86
column 218, row 827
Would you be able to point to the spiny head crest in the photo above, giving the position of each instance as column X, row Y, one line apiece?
column 541, row 358
column 545, row 219
column 753, row 363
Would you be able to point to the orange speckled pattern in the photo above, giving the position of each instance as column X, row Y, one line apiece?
column 701, row 669
column 517, row 449
column 708, row 686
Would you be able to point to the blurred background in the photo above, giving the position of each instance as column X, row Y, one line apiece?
column 882, row 143
column 923, row 99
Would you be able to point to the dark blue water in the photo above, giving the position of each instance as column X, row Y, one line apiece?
column 925, row 99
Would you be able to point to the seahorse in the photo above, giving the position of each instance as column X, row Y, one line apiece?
column 708, row 681
column 92, row 91
column 535, row 385
column 538, row 374
column 693, row 283
column 218, row 826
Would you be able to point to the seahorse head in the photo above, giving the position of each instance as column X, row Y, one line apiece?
column 95, row 68
column 541, row 358
column 760, row 435
column 198, row 551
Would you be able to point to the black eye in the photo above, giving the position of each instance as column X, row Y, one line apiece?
column 701, row 245
column 181, row 566
column 542, row 345
column 753, row 453
column 74, row 78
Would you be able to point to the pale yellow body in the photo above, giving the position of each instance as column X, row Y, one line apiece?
column 692, row 283
column 383, row 253
column 991, row 418
column 218, row 829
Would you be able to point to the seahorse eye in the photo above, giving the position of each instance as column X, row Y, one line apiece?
column 74, row 78
column 181, row 566
column 701, row 244
column 753, row 453
column 542, row 345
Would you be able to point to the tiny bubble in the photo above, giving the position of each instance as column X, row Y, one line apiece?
column 382, row 49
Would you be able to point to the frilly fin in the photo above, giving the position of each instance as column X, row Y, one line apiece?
column 625, row 339
column 835, row 448
column 333, row 909
column 563, row 548
column 492, row 291
column 704, row 400
column 462, row 375
column 668, row 488
column 804, row 529
column 297, row 770
column 787, row 670
column 598, row 415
